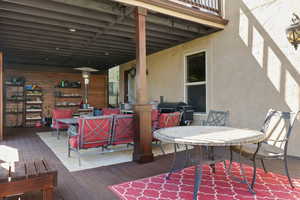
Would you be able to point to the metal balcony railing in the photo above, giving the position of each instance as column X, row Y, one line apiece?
column 210, row 6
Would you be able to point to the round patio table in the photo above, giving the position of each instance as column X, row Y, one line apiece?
column 204, row 139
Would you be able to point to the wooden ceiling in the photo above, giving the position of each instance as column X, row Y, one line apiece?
column 76, row 33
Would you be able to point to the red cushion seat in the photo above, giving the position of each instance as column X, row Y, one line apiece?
column 111, row 111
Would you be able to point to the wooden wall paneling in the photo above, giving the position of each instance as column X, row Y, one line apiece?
column 47, row 81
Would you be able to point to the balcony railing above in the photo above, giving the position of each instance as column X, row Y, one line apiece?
column 209, row 6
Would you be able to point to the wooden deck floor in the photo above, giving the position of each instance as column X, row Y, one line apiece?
column 92, row 184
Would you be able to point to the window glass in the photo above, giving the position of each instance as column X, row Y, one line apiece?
column 196, row 95
column 196, row 68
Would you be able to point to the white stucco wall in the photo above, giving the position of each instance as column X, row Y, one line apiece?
column 251, row 65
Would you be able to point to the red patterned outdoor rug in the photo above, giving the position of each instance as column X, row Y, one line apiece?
column 218, row 186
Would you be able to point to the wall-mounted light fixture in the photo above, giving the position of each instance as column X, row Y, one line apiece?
column 293, row 31
column 132, row 72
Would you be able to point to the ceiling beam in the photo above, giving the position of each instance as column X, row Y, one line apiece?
column 151, row 18
column 44, row 27
column 119, row 19
column 105, row 12
column 49, row 36
column 176, row 10
column 71, row 50
column 154, row 37
column 44, row 11
column 10, row 39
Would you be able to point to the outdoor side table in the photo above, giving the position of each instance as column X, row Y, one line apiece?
column 21, row 177
column 203, row 137
column 68, row 121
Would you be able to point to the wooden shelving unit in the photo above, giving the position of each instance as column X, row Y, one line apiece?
column 14, row 104
column 33, row 106
column 68, row 97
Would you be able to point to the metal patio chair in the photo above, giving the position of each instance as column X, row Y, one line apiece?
column 60, row 114
column 216, row 118
column 165, row 120
column 124, row 129
column 92, row 132
column 277, row 127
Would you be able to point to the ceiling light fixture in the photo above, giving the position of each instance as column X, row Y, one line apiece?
column 72, row 30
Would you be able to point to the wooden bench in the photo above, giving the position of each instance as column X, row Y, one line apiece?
column 21, row 177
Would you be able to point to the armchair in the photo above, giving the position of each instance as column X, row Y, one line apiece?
column 164, row 120
column 60, row 114
column 124, row 129
column 92, row 132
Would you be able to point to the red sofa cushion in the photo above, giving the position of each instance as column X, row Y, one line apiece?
column 74, row 142
column 111, row 111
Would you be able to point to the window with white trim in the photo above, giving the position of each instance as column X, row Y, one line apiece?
column 195, row 81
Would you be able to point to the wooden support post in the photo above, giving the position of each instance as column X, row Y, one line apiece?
column 1, row 97
column 48, row 194
column 143, row 140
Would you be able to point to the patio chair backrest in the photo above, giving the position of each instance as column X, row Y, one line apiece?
column 217, row 118
column 95, row 131
column 111, row 111
column 169, row 119
column 278, row 127
column 154, row 119
column 124, row 129
column 61, row 114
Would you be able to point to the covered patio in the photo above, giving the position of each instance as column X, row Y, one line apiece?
column 51, row 39
column 55, row 58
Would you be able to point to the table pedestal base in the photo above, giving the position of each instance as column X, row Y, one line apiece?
column 199, row 156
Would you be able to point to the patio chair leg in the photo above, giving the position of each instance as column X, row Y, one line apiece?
column 287, row 172
column 254, row 174
column 187, row 156
column 69, row 151
column 57, row 131
column 162, row 149
column 212, row 166
column 173, row 163
column 230, row 159
column 79, row 159
column 263, row 165
column 198, row 178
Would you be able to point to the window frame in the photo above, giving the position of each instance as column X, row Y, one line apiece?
column 186, row 84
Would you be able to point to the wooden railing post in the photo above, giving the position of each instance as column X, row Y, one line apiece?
column 143, row 139
column 1, row 97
